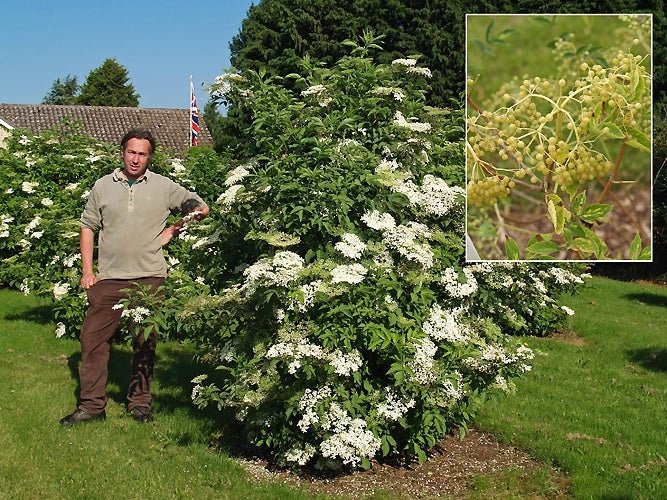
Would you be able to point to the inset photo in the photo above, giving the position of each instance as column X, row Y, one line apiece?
column 558, row 139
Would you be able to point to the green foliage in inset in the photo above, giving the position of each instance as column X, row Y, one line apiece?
column 553, row 149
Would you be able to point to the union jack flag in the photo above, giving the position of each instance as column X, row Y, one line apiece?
column 194, row 116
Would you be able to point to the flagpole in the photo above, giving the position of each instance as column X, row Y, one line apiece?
column 190, row 115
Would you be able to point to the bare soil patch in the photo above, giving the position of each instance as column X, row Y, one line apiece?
column 449, row 472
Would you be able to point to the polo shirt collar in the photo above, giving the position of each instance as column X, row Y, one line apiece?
column 117, row 177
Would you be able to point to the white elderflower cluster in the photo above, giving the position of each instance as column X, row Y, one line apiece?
column 301, row 456
column 401, row 121
column 388, row 168
column 450, row 278
column 380, row 222
column 47, row 202
column 437, row 197
column 30, row 227
column 308, row 403
column 282, row 269
column 565, row 277
column 444, row 324
column 177, row 165
column 4, row 225
column 60, row 290
column 350, row 246
column 411, row 67
column 351, row 441
column 72, row 186
column 300, row 349
column 137, row 314
column 454, row 391
column 227, row 198
column 393, row 408
column 237, row 175
column 420, row 71
column 568, row 311
column 307, row 299
column 345, row 363
column 407, row 188
column 60, row 330
column 404, row 239
column 29, row 187
column 70, row 260
column 353, row 274
column 319, row 92
column 494, row 355
column 423, row 366
column 222, row 84
column 408, row 63
column 396, row 93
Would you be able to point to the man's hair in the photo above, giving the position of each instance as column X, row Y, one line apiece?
column 138, row 133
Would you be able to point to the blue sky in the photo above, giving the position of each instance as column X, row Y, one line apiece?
column 160, row 43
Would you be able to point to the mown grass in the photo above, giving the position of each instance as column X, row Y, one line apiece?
column 595, row 404
column 118, row 458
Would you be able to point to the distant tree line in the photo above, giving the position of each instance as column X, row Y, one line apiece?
column 277, row 35
column 107, row 85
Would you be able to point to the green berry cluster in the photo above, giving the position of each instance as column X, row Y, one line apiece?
column 554, row 133
column 488, row 190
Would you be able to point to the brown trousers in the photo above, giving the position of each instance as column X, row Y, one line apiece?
column 97, row 334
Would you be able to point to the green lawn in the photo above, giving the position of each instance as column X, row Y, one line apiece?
column 594, row 405
column 119, row 458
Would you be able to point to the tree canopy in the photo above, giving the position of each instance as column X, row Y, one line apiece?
column 277, row 34
column 107, row 85
column 63, row 92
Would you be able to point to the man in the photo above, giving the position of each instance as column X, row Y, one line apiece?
column 129, row 209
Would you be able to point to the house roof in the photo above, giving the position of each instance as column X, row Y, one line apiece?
column 171, row 127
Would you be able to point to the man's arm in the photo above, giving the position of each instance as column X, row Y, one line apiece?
column 198, row 214
column 87, row 244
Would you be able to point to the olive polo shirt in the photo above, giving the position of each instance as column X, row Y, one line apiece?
column 130, row 220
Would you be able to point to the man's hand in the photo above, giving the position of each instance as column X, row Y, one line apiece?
column 170, row 232
column 197, row 214
column 88, row 280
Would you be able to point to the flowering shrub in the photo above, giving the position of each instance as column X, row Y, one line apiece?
column 553, row 151
column 328, row 283
column 45, row 183
column 342, row 318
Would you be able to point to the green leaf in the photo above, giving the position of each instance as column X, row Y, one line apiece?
column 557, row 213
column 578, row 203
column 638, row 140
column 595, row 211
column 512, row 249
column 543, row 247
column 636, row 85
column 611, row 130
column 636, row 247
column 583, row 246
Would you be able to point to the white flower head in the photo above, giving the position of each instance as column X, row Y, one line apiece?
column 378, row 221
column 350, row 246
column 60, row 330
column 60, row 290
column 353, row 274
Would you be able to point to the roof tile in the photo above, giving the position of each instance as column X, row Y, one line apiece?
column 108, row 123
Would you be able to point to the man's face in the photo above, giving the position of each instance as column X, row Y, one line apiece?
column 136, row 155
